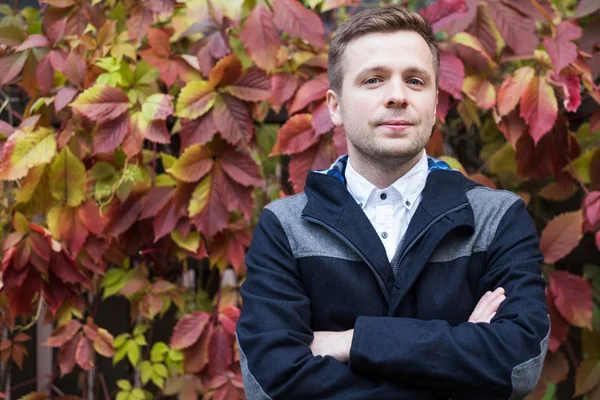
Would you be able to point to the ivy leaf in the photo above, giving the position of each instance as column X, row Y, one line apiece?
column 158, row 106
column 517, row 30
column 512, row 127
column 586, row 7
column 62, row 334
column 240, row 167
column 261, row 37
column 101, row 103
column 296, row 135
column 512, row 89
column 321, row 119
column 232, row 119
column 83, row 353
column 292, row 17
column 444, row 11
column 591, row 206
column 571, row 88
column 24, row 149
column 538, row 107
column 587, row 376
column 133, row 352
column 253, row 86
column 313, row 90
column 561, row 49
column 573, row 297
column 206, row 206
column 64, row 223
column 195, row 99
column 121, row 216
column 188, row 329
column 103, row 343
column 452, row 74
column 481, row 91
column 66, row 355
column 229, row 247
column 283, row 87
column 63, row 97
column 11, row 66
column 559, row 327
column 68, row 178
column 195, row 162
column 220, row 352
column 110, row 134
column 561, row 236
column 196, row 357
column 316, row 157
column 198, row 131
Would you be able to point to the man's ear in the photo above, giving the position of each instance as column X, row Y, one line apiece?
column 333, row 104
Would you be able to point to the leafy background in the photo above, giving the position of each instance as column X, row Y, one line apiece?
column 140, row 140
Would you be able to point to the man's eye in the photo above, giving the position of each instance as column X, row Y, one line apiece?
column 415, row 81
column 372, row 81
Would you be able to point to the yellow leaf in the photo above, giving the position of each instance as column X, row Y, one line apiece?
column 190, row 242
column 200, row 196
column 195, row 99
column 25, row 149
column 68, row 178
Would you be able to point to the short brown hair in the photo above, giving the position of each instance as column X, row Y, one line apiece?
column 390, row 18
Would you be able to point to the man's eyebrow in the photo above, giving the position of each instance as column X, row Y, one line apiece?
column 382, row 69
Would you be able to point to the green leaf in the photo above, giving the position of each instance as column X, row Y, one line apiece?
column 24, row 149
column 102, row 170
column 159, row 349
column 145, row 73
column 133, row 352
column 582, row 165
column 20, row 223
column 120, row 340
column 195, row 99
column 164, row 180
column 141, row 340
column 158, row 381
column 175, row 355
column 68, row 178
column 124, row 384
column 123, row 396
column 140, row 329
column 120, row 354
column 138, row 394
column 161, row 370
column 112, row 277
column 167, row 160
column 146, row 371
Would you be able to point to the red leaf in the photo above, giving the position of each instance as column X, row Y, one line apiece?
column 229, row 247
column 598, row 240
column 110, row 134
column 121, row 217
column 561, row 236
column 63, row 97
column 296, row 135
column 102, row 103
column 195, row 162
column 443, row 105
column 283, row 87
column 214, row 215
column 241, row 168
column 321, row 120
column 155, row 200
column 559, row 327
column 83, row 353
column 220, row 352
column 586, row 7
column 481, row 28
column 61, row 335
column 32, row 41
column 44, row 75
column 556, row 192
column 573, row 297
column 291, row 16
column 512, row 127
column 452, row 74
column 232, row 119
column 517, row 31
column 165, row 221
column 261, row 37
column 539, row 108
column 196, row 356
column 310, row 91
column 11, row 66
column 512, row 89
column 229, row 317
column 591, row 206
column 159, row 41
column 444, row 11
column 561, row 49
column 167, row 68
column 188, row 329
column 227, row 71
column 138, row 23
column 197, row 131
column 70, row 228
column 253, row 86
column 234, row 196
column 66, row 355
column 90, row 216
column 571, row 88
column 157, row 132
column 65, row 268
column 75, row 69
column 481, row 91
column 317, row 157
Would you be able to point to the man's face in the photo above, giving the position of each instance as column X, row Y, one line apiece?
column 388, row 98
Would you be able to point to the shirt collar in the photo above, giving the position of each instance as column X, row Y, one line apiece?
column 409, row 186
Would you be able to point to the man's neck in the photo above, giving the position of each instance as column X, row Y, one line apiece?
column 383, row 173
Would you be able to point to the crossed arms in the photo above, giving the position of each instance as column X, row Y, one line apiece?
column 393, row 358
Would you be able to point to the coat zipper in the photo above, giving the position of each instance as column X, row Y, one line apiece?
column 357, row 251
column 424, row 231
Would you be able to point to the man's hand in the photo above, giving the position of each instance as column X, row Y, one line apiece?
column 337, row 344
column 334, row 344
column 488, row 305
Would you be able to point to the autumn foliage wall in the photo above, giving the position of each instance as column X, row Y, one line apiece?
column 149, row 143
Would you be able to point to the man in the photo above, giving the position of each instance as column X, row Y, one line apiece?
column 367, row 285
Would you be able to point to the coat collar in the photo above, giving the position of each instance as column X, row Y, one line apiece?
column 329, row 201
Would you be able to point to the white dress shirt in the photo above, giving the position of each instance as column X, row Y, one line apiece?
column 391, row 209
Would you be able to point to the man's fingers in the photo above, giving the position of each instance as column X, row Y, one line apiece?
column 487, row 306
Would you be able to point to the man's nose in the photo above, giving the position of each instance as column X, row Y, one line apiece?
column 396, row 95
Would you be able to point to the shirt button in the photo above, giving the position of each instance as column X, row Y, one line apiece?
column 384, row 235
column 383, row 196
column 407, row 203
